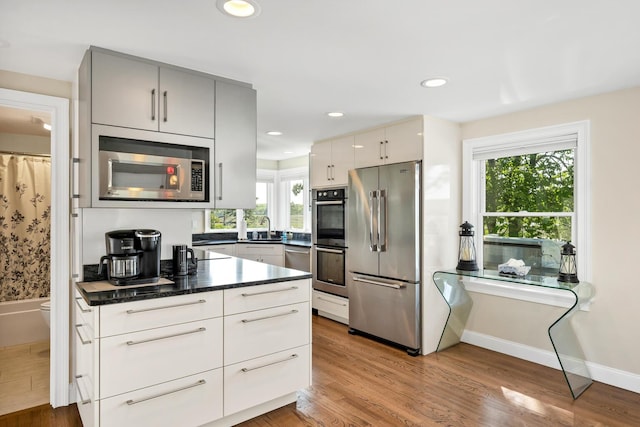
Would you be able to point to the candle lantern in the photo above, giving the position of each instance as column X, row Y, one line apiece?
column 568, row 270
column 467, row 251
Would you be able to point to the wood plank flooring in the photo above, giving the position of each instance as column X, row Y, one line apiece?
column 360, row 382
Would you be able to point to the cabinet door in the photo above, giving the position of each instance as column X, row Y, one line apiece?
column 124, row 92
column 404, row 142
column 236, row 142
column 369, row 148
column 187, row 103
column 341, row 160
column 320, row 164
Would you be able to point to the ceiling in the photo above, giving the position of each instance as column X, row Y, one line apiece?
column 365, row 58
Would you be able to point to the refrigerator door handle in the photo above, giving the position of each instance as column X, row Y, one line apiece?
column 373, row 196
column 375, row 282
column 382, row 221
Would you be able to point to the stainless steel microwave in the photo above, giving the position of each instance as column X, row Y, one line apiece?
column 148, row 170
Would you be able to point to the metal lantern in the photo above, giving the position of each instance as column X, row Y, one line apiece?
column 467, row 251
column 568, row 270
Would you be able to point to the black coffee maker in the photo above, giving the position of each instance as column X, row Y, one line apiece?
column 133, row 256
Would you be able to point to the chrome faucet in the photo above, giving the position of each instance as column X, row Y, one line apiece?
column 268, row 225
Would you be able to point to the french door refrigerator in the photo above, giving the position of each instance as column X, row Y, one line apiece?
column 384, row 264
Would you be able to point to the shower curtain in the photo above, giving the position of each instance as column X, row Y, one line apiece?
column 25, row 236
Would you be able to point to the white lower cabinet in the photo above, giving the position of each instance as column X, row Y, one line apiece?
column 259, row 380
column 331, row 306
column 193, row 360
column 262, row 252
column 190, row 401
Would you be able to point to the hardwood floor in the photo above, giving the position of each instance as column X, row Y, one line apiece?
column 24, row 376
column 360, row 382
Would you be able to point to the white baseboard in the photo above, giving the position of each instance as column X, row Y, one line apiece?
column 604, row 374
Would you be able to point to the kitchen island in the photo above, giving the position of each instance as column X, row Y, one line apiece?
column 215, row 348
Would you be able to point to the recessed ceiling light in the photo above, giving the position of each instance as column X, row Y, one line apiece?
column 335, row 114
column 274, row 133
column 434, row 82
column 239, row 8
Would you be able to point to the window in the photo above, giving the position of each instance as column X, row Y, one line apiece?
column 526, row 195
column 294, row 200
column 255, row 218
column 221, row 219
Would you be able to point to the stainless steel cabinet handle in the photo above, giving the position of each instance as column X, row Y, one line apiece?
column 291, row 251
column 332, row 302
column 202, row 329
column 144, row 399
column 374, row 282
column 82, row 340
column 333, row 172
column 153, row 104
column 84, row 310
column 142, row 310
column 164, row 95
column 336, row 202
column 220, row 181
column 380, row 150
column 269, row 292
column 331, row 251
column 386, row 145
column 328, row 172
column 83, row 400
column 293, row 356
column 268, row 317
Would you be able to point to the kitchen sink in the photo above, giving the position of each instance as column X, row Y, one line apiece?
column 270, row 240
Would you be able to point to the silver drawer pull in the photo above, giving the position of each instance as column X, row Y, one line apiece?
column 83, row 400
column 142, row 310
column 293, row 356
column 269, row 292
column 374, row 282
column 269, row 317
column 144, row 399
column 84, row 310
column 332, row 302
column 167, row 336
column 82, row 340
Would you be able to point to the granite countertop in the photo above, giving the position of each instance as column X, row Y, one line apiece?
column 215, row 272
column 302, row 243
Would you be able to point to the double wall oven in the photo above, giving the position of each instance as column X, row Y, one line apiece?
column 329, row 210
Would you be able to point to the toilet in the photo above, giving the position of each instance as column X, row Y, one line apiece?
column 45, row 310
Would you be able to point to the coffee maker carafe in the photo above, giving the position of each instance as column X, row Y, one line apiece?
column 133, row 256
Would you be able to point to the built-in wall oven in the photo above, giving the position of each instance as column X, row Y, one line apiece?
column 329, row 210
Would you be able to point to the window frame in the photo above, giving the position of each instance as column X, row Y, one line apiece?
column 285, row 176
column 473, row 181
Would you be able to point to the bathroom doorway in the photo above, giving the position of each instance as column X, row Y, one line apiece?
column 55, row 110
column 25, row 258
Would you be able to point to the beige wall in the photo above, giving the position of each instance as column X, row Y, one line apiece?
column 25, row 143
column 609, row 331
column 33, row 84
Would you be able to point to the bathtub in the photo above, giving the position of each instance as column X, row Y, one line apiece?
column 21, row 322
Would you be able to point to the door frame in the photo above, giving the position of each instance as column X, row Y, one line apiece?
column 58, row 108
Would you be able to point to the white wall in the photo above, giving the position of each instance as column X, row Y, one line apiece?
column 174, row 224
column 608, row 332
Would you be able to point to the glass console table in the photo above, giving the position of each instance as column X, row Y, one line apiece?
column 451, row 285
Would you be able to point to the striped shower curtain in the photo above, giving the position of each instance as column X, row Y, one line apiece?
column 25, row 212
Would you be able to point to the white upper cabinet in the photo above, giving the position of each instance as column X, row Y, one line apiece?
column 330, row 162
column 395, row 143
column 143, row 95
column 236, row 142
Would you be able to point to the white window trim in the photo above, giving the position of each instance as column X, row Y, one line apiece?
column 284, row 196
column 471, row 199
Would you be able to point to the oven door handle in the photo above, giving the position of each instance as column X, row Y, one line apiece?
column 331, row 251
column 330, row 202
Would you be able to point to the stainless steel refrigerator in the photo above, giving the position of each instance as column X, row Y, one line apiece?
column 384, row 265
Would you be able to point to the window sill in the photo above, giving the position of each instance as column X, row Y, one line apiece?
column 536, row 294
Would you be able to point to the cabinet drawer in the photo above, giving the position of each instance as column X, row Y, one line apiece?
column 256, row 381
column 159, row 312
column 84, row 313
column 87, row 408
column 191, row 401
column 331, row 306
column 256, row 333
column 250, row 298
column 84, row 364
column 244, row 249
column 140, row 359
